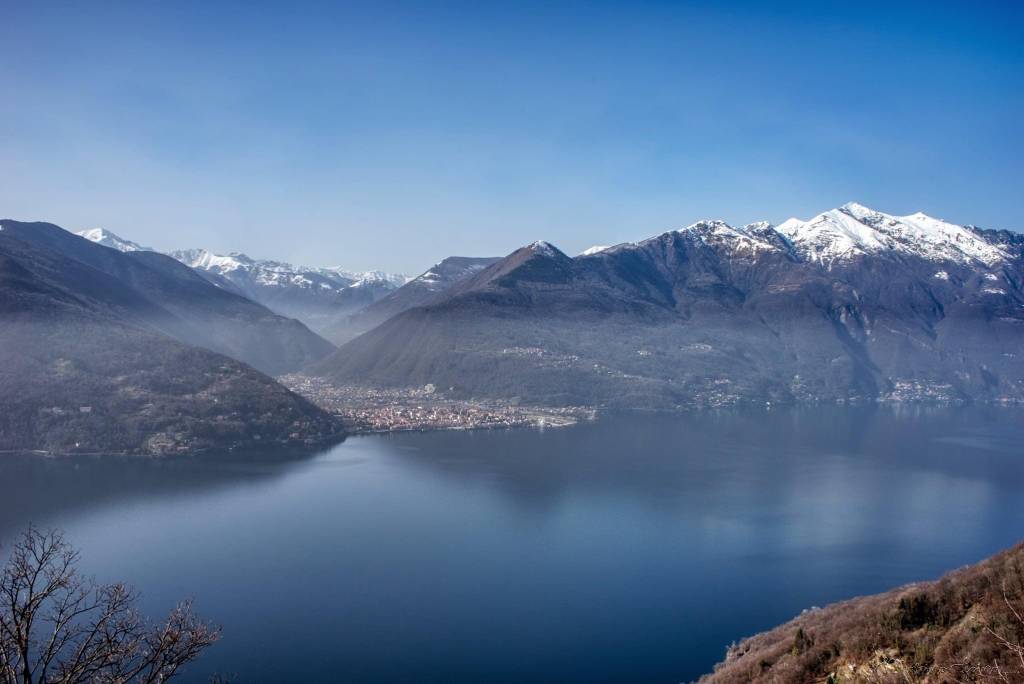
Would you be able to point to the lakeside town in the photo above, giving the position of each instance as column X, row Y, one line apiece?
column 374, row 409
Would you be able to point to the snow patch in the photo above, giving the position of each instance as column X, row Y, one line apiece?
column 104, row 237
column 546, row 248
column 750, row 238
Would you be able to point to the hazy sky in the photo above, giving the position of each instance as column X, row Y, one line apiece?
column 379, row 135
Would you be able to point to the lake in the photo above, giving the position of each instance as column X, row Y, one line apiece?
column 633, row 549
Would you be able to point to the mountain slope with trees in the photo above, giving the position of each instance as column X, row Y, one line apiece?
column 84, row 369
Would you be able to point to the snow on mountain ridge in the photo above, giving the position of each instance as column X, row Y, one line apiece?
column 280, row 273
column 208, row 261
column 750, row 238
column 846, row 232
column 377, row 277
column 854, row 229
column 842, row 233
column 264, row 270
column 102, row 236
column 834, row 234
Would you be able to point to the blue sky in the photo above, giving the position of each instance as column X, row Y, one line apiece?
column 382, row 135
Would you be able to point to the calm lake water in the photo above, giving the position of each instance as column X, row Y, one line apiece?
column 628, row 550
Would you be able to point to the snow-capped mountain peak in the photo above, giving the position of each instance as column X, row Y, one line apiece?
column 847, row 232
column 711, row 227
column 853, row 229
column 596, row 249
column 857, row 209
column 104, row 237
column 208, row 261
column 546, row 248
column 752, row 238
column 831, row 235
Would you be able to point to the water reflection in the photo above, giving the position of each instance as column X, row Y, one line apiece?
column 39, row 489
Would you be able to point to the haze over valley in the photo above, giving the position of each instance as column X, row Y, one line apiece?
column 518, row 343
column 853, row 305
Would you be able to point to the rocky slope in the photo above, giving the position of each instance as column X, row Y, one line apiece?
column 851, row 305
column 86, row 366
column 966, row 627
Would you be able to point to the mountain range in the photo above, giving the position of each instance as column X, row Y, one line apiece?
column 851, row 305
column 169, row 354
column 177, row 301
column 112, row 351
column 319, row 297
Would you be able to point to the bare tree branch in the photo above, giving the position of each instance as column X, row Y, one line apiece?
column 57, row 627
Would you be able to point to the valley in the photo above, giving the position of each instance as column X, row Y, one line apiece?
column 512, row 343
column 852, row 306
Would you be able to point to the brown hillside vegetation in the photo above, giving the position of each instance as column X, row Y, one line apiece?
column 966, row 627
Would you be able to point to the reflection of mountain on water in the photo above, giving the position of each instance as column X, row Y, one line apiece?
column 87, row 483
column 703, row 465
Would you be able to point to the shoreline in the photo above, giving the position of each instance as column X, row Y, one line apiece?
column 537, row 418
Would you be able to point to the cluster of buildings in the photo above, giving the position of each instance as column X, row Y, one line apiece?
column 373, row 409
column 550, row 358
column 438, row 417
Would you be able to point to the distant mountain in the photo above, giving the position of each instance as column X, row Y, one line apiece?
column 316, row 296
column 319, row 297
column 851, row 305
column 421, row 290
column 166, row 295
column 87, row 364
column 965, row 627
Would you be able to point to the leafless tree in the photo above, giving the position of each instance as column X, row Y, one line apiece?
column 57, row 626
